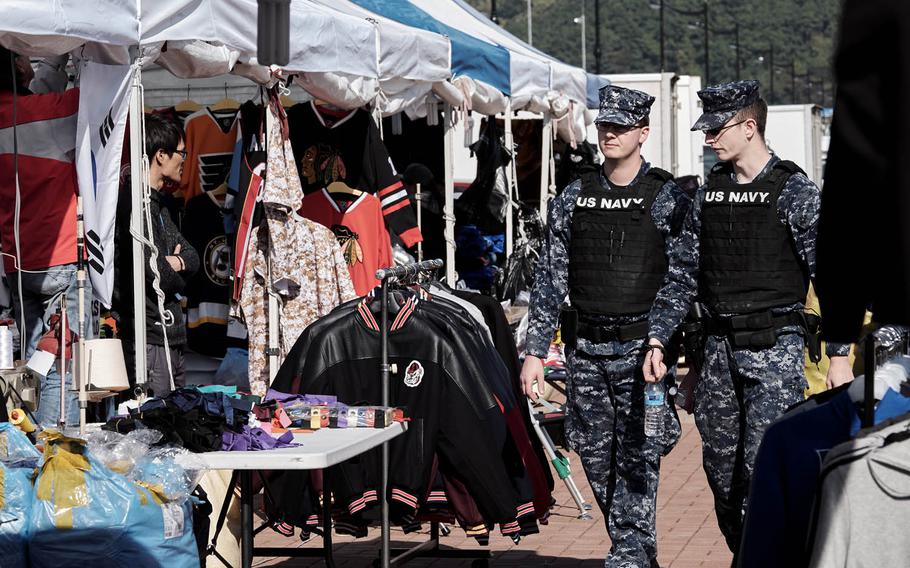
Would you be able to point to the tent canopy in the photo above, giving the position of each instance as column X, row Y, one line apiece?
column 566, row 79
column 322, row 40
column 529, row 75
column 471, row 56
column 55, row 27
column 404, row 52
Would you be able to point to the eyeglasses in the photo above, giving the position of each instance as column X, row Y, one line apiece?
column 616, row 128
column 714, row 132
column 182, row 153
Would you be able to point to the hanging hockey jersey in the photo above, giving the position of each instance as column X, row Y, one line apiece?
column 366, row 163
column 360, row 230
column 210, row 139
column 208, row 293
column 46, row 133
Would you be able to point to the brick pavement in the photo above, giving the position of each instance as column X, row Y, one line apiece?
column 687, row 531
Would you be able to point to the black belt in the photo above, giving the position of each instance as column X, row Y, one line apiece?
column 753, row 322
column 607, row 333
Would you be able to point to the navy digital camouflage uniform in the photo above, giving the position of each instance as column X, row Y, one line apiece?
column 741, row 391
column 605, row 407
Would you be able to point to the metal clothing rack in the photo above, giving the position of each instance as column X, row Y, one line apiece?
column 874, row 355
column 429, row 548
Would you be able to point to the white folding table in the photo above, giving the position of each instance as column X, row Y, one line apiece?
column 321, row 449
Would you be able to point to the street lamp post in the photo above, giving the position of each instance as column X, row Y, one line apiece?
column 584, row 57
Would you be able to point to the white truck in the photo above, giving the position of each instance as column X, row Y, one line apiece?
column 797, row 133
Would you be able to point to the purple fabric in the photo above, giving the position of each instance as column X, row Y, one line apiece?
column 253, row 439
column 307, row 398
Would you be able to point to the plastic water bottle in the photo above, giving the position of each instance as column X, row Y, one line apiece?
column 655, row 406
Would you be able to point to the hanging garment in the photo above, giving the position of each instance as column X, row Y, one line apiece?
column 786, row 474
column 319, row 135
column 864, row 502
column 358, row 225
column 484, row 203
column 208, row 291
column 342, row 358
column 210, row 139
column 475, row 371
column 46, row 134
column 292, row 257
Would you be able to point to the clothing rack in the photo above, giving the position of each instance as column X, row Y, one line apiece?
column 429, row 548
column 876, row 354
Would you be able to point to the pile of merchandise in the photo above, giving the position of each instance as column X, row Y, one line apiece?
column 111, row 500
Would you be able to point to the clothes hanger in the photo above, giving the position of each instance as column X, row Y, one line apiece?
column 341, row 188
column 226, row 103
column 187, row 105
column 218, row 195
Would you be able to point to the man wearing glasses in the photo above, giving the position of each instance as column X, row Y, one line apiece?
column 177, row 261
column 611, row 237
column 751, row 232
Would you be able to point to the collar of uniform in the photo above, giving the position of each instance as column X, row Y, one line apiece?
column 765, row 171
column 645, row 166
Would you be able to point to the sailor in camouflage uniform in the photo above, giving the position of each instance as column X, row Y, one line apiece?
column 610, row 238
column 749, row 253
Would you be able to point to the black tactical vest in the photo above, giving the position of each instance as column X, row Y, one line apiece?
column 748, row 261
column 617, row 261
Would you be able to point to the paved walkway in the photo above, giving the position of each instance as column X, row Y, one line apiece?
column 687, row 530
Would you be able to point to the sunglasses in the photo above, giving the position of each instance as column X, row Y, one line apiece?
column 714, row 132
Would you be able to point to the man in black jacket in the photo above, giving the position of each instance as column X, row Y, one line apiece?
column 174, row 263
column 866, row 199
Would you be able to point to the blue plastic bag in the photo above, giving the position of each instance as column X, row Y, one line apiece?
column 18, row 458
column 85, row 514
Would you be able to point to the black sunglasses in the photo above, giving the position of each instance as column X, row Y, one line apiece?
column 716, row 131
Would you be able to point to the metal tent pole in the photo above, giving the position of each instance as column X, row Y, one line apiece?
column 509, row 177
column 546, row 140
column 137, row 127
column 449, row 211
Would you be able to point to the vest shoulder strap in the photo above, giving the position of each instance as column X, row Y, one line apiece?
column 590, row 181
column 662, row 175
column 781, row 172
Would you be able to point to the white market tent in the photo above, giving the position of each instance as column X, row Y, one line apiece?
column 343, row 51
column 349, row 52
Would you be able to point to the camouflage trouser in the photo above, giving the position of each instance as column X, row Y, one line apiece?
column 740, row 394
column 605, row 426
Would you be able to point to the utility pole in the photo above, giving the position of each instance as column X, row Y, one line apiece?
column 597, row 36
column 771, row 74
column 662, row 56
column 530, row 27
column 707, row 61
column 738, row 61
column 793, row 80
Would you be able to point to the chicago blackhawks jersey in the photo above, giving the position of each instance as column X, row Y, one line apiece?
column 210, row 140
column 360, row 230
column 320, row 135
